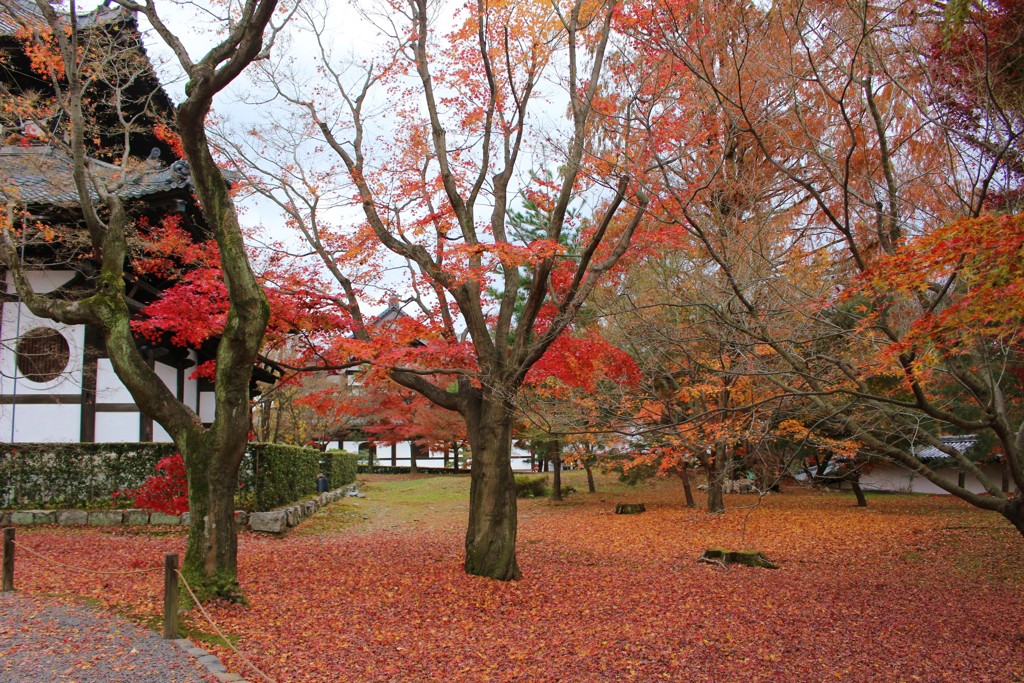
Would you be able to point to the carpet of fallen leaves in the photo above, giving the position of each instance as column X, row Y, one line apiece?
column 919, row 588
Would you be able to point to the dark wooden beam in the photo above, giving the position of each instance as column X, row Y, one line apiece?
column 90, row 366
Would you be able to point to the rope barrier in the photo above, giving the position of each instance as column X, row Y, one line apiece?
column 83, row 570
column 220, row 633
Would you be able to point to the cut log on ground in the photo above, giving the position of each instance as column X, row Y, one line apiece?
column 748, row 558
column 629, row 508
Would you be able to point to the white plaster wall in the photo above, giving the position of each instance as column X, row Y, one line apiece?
column 191, row 385
column 520, row 457
column 16, row 321
column 109, row 388
column 41, row 423
column 117, row 427
column 58, row 423
column 43, row 281
column 206, row 406
column 885, row 477
column 168, row 375
column 160, row 435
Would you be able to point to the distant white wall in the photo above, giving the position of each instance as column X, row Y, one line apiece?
column 520, row 457
column 889, row 477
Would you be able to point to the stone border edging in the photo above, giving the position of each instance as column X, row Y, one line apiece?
column 275, row 521
column 280, row 520
column 212, row 663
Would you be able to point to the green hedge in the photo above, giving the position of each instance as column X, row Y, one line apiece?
column 278, row 474
column 281, row 474
column 340, row 467
column 74, row 475
column 531, row 487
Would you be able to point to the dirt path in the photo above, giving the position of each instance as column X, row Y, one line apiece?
column 402, row 503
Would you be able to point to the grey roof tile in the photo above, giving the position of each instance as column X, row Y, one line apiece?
column 42, row 175
column 962, row 443
column 26, row 12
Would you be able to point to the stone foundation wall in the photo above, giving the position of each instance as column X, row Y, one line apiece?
column 276, row 521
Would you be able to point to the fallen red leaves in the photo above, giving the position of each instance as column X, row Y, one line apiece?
column 908, row 589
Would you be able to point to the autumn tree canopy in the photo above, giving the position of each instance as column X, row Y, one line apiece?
column 835, row 203
column 432, row 139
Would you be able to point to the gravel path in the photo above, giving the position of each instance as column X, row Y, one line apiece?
column 42, row 641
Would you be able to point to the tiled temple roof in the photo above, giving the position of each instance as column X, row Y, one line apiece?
column 42, row 175
column 26, row 12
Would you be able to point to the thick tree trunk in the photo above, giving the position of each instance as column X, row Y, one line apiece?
column 684, row 474
column 414, row 452
column 555, row 456
column 211, row 553
column 716, row 497
column 717, row 469
column 590, row 478
column 491, row 536
column 1014, row 511
column 859, row 493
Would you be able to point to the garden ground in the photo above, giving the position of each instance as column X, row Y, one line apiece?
column 912, row 588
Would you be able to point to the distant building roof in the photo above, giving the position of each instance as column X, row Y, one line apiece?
column 22, row 12
column 391, row 313
column 42, row 175
column 961, row 442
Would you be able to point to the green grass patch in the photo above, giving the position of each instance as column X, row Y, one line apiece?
column 427, row 489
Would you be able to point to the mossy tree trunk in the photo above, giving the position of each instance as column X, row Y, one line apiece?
column 212, row 456
column 491, row 535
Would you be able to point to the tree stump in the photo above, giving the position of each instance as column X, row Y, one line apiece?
column 629, row 508
column 748, row 558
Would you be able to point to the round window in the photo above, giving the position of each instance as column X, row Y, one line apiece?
column 43, row 354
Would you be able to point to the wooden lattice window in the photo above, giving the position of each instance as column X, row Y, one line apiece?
column 43, row 354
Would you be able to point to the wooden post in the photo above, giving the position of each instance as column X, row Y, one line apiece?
column 8, row 578
column 171, row 596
